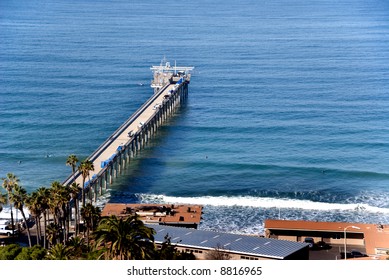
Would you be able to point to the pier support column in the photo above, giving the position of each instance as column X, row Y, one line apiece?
column 155, row 124
column 119, row 164
column 132, row 148
column 138, row 142
column 116, row 168
column 128, row 155
column 111, row 174
column 159, row 118
column 106, row 179
column 164, row 112
column 149, row 132
column 100, row 185
column 125, row 155
column 146, row 136
column 143, row 139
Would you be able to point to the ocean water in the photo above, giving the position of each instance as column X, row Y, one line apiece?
column 287, row 116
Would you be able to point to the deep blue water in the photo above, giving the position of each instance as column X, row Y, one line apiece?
column 287, row 115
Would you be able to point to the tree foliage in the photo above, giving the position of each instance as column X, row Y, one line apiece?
column 168, row 251
column 109, row 238
column 36, row 252
column 218, row 253
column 125, row 239
column 10, row 252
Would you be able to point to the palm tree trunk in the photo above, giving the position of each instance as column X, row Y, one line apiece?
column 12, row 219
column 27, row 227
column 40, row 229
column 76, row 216
column 66, row 221
column 87, row 237
column 56, row 217
column 89, row 190
column 44, row 230
column 37, row 230
column 83, row 192
column 68, row 211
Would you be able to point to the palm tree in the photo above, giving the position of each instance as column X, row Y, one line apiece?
column 72, row 161
column 8, row 184
column 75, row 190
column 59, row 252
column 85, row 167
column 34, row 206
column 59, row 201
column 43, row 195
column 90, row 215
column 77, row 246
column 19, row 197
column 53, row 232
column 3, row 200
column 127, row 239
column 52, row 201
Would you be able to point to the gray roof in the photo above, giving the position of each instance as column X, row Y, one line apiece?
column 235, row 243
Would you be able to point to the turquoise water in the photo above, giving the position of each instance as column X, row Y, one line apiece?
column 287, row 114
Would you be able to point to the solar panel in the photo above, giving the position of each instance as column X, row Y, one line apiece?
column 250, row 245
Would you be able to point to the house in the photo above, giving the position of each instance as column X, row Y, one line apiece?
column 237, row 246
column 373, row 237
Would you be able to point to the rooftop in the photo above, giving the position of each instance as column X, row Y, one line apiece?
column 376, row 236
column 174, row 214
column 234, row 243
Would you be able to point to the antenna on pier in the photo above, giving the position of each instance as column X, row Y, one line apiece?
column 164, row 74
column 163, row 61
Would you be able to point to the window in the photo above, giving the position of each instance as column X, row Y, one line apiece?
column 247, row 258
column 337, row 236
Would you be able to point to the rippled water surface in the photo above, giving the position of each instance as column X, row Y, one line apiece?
column 287, row 115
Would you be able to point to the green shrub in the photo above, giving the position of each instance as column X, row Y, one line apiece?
column 10, row 252
column 34, row 253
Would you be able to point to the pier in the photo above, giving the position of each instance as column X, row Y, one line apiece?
column 170, row 84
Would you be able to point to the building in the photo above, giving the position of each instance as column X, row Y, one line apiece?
column 238, row 247
column 373, row 237
column 163, row 214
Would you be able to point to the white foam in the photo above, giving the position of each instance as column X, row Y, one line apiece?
column 103, row 199
column 264, row 202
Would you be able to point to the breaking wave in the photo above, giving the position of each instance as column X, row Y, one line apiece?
column 263, row 202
